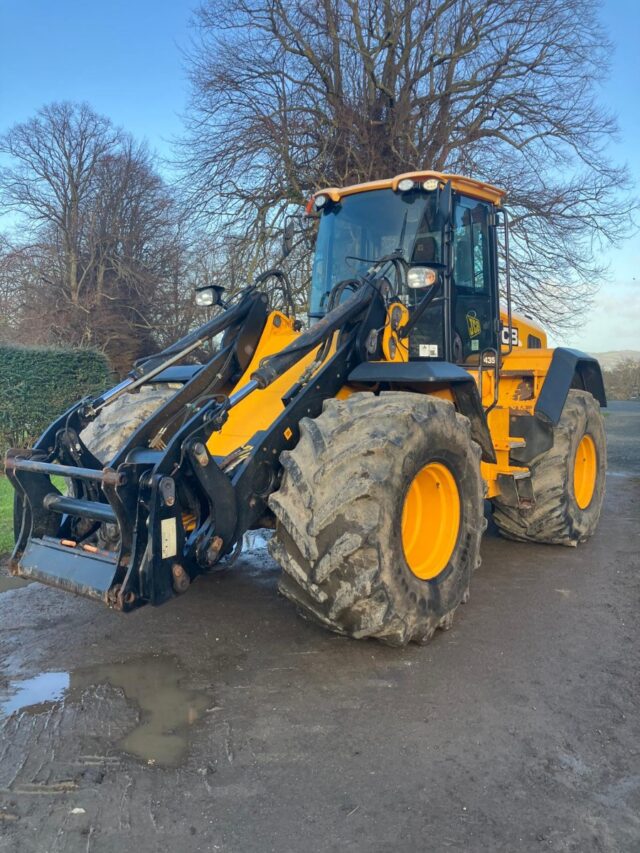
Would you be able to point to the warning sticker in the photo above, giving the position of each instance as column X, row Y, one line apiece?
column 428, row 350
column 168, row 537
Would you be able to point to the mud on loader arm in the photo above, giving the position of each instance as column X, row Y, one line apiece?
column 164, row 474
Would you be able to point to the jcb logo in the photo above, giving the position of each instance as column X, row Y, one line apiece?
column 473, row 324
column 509, row 334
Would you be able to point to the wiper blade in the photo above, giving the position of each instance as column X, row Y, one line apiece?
column 402, row 233
column 357, row 258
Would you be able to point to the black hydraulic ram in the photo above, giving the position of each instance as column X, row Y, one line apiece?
column 152, row 366
column 339, row 318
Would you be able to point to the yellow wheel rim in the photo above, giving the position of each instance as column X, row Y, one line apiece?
column 430, row 520
column 585, row 470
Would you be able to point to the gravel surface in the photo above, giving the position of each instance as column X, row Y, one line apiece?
column 222, row 721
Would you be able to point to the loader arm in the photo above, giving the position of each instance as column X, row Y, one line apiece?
column 187, row 484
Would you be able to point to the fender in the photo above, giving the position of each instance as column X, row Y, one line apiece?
column 424, row 377
column 569, row 368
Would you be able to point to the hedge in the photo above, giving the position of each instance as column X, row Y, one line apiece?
column 38, row 383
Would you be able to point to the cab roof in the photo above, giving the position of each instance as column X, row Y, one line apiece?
column 466, row 186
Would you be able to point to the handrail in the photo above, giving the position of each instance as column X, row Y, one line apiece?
column 507, row 272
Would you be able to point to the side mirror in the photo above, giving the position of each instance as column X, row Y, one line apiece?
column 210, row 295
column 445, row 202
column 287, row 237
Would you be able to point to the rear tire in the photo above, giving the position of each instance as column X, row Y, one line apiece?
column 339, row 516
column 559, row 516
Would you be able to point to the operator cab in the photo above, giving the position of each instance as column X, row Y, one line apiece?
column 441, row 223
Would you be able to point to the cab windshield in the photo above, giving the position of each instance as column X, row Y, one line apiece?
column 361, row 228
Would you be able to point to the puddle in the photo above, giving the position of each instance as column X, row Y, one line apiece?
column 8, row 582
column 154, row 685
column 33, row 692
column 167, row 708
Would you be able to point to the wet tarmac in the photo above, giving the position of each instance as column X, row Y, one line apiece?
column 7, row 582
column 222, row 721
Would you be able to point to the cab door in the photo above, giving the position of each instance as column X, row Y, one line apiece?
column 474, row 292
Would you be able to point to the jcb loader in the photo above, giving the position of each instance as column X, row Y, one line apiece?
column 368, row 441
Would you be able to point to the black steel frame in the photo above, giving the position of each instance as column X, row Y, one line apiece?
column 146, row 492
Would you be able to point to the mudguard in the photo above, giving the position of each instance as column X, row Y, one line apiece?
column 424, row 376
column 569, row 368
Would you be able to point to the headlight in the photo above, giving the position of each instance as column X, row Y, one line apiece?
column 419, row 277
column 430, row 184
column 321, row 200
column 205, row 296
column 405, row 185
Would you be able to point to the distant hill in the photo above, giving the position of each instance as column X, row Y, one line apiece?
column 621, row 370
column 609, row 360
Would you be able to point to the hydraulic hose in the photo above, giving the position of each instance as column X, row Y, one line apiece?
column 150, row 367
column 233, row 314
column 274, row 366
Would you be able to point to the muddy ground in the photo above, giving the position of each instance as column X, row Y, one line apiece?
column 222, row 721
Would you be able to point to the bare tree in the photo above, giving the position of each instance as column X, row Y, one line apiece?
column 129, row 251
column 55, row 157
column 622, row 380
column 289, row 96
column 101, row 250
column 29, row 309
column 8, row 291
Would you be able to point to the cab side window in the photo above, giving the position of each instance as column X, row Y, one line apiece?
column 471, row 247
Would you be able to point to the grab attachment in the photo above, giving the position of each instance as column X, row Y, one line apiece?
column 51, row 545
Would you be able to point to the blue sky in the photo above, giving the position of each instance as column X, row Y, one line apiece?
column 125, row 59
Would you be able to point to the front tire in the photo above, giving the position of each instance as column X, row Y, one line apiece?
column 568, row 481
column 116, row 422
column 111, row 429
column 346, row 511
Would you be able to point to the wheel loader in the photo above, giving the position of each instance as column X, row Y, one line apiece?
column 368, row 441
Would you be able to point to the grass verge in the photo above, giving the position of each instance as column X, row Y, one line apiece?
column 6, row 512
column 6, row 517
